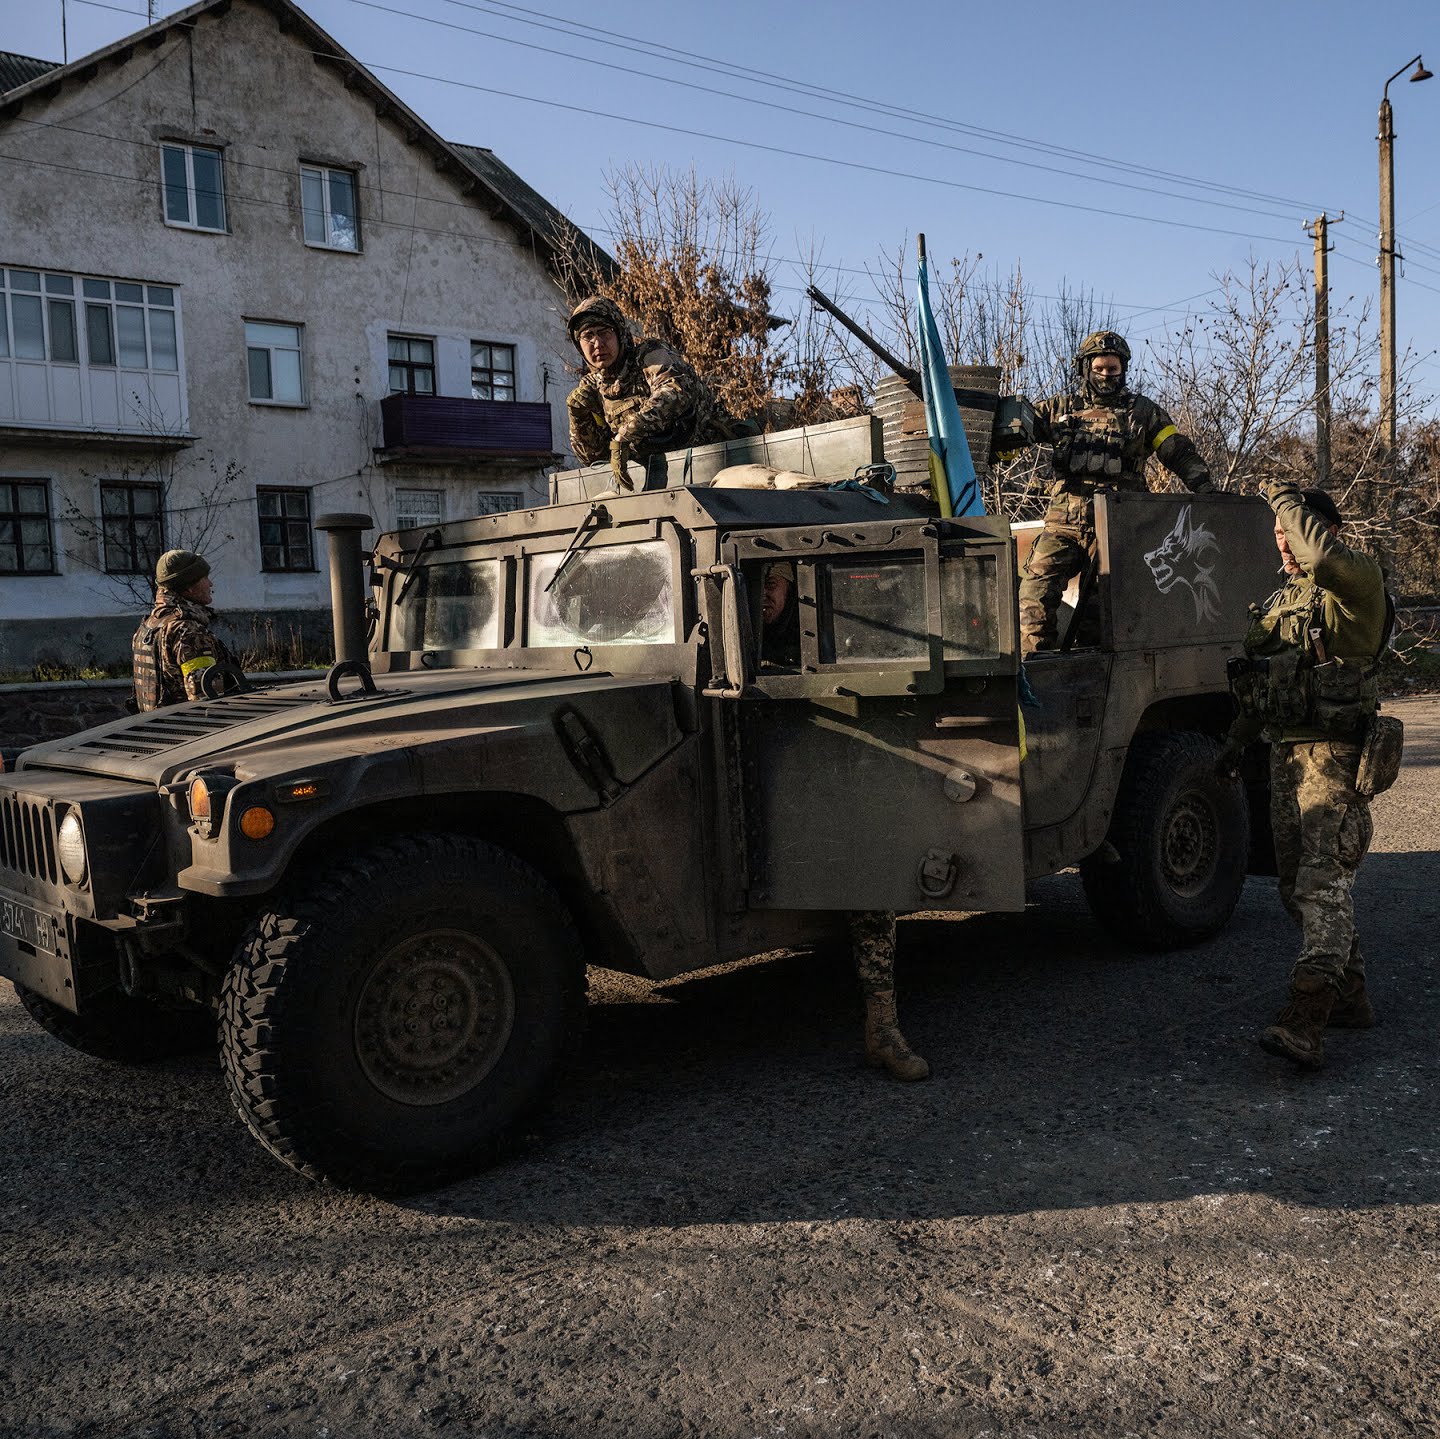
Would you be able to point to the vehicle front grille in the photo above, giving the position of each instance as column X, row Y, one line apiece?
column 168, row 728
column 27, row 838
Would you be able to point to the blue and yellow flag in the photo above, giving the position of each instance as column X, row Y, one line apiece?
column 952, row 471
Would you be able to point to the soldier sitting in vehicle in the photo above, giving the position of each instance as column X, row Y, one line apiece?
column 780, row 617
column 638, row 397
column 175, row 644
column 1102, row 434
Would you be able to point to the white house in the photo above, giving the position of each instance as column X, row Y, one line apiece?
column 241, row 284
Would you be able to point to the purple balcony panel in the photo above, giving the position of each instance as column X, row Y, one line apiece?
column 445, row 424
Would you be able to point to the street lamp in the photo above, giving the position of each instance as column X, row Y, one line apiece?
column 1387, row 260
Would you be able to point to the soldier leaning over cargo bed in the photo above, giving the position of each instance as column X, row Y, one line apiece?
column 638, row 397
column 1307, row 684
column 1102, row 434
column 175, row 644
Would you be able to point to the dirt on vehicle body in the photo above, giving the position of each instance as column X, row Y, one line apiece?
column 565, row 749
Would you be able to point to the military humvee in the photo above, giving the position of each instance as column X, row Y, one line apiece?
column 565, row 749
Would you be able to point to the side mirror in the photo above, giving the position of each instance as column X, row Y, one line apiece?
column 726, row 615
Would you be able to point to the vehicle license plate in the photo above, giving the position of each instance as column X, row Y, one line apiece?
column 30, row 926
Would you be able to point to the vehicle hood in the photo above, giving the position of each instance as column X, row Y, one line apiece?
column 407, row 710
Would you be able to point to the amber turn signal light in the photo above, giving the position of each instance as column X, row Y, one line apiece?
column 257, row 822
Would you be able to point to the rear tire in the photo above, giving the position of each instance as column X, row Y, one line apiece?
column 388, row 1026
column 1182, row 836
column 123, row 1029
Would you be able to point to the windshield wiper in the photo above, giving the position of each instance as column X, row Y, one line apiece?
column 431, row 541
column 598, row 515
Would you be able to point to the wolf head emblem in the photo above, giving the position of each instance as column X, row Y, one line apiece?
column 1187, row 556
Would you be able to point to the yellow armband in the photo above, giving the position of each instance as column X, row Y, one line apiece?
column 200, row 662
column 1163, row 436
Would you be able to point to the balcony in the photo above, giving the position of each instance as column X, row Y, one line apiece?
column 446, row 427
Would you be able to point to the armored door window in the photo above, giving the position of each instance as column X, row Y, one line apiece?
column 448, row 607
column 873, row 611
column 975, row 606
column 615, row 594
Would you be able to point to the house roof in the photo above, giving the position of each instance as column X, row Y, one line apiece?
column 17, row 70
column 476, row 172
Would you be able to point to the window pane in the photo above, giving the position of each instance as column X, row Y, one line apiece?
column 177, row 188
column 502, row 357
column 63, row 347
column 4, row 329
column 424, row 382
column 269, row 501
column 503, row 389
column 272, row 557
column 285, row 375
column 163, row 354
column 344, row 231
column 397, row 380
column 312, row 206
column 131, row 324
column 113, row 500
column 97, row 289
column 259, row 365
column 396, row 347
column 159, row 295
column 29, row 327
column 24, row 280
column 32, row 499
column 99, row 338
column 296, row 502
column 480, row 356
column 124, row 291
column 209, row 197
column 423, row 351
column 259, row 333
column 59, row 285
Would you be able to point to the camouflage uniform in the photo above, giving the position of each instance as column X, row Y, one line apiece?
column 1310, row 690
column 872, row 943
column 172, row 649
column 649, row 400
column 1100, row 441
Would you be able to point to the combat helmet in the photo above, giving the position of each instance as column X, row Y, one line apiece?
column 1102, row 342
column 597, row 310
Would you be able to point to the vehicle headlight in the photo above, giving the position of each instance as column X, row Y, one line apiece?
column 206, row 800
column 70, row 847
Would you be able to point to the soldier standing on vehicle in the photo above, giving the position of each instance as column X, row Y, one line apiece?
column 1102, row 435
column 872, row 932
column 1307, row 685
column 175, row 643
column 638, row 397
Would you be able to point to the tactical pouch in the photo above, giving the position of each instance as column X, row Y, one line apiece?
column 1342, row 697
column 1283, row 698
column 1380, row 756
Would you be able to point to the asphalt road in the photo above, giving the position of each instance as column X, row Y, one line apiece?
column 1109, row 1212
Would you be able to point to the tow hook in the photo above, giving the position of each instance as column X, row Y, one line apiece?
column 939, row 869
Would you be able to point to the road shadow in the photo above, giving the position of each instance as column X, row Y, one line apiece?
column 1068, row 1073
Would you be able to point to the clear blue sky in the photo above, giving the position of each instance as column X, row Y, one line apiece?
column 1276, row 99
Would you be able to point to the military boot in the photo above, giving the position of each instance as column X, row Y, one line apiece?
column 885, row 1046
column 1299, row 1031
column 1352, row 1009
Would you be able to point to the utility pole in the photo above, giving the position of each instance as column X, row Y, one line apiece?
column 1387, row 265
column 1320, row 228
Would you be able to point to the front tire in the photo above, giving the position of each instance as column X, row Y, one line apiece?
column 118, row 1027
column 1175, row 862
column 386, row 1027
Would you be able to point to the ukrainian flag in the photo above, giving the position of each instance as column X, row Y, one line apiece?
column 952, row 471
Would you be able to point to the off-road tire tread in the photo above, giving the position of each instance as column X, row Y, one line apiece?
column 254, row 994
column 122, row 1029
column 1121, row 895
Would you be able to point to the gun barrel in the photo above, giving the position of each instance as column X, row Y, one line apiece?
column 818, row 297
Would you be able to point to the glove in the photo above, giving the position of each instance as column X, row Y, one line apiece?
column 1227, row 762
column 619, row 454
column 1203, row 487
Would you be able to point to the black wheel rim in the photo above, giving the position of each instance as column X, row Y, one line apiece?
column 434, row 1017
column 1189, row 844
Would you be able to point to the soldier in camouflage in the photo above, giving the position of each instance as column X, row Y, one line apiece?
column 175, row 643
column 1308, row 685
column 638, row 397
column 1102, row 435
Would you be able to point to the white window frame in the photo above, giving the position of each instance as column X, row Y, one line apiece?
column 324, row 172
column 192, row 208
column 416, row 521
column 270, row 351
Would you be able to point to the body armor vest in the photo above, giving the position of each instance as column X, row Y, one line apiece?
column 145, row 660
column 1091, row 450
column 1288, row 681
